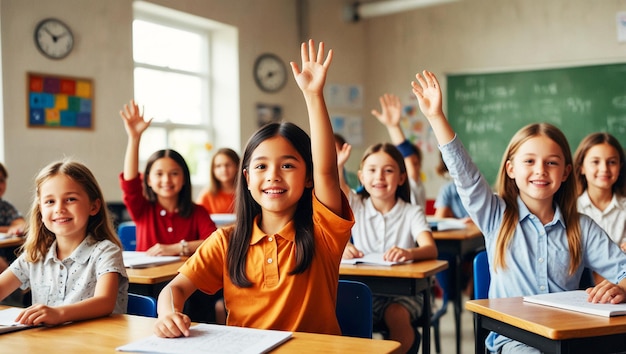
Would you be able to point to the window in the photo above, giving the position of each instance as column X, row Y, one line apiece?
column 175, row 79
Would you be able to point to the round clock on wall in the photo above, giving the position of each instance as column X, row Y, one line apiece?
column 54, row 38
column 270, row 73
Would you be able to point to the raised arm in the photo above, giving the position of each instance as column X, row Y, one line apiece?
column 135, row 125
column 311, row 79
column 428, row 93
column 343, row 155
column 389, row 116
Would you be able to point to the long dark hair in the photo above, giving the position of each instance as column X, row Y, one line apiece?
column 185, row 203
column 247, row 208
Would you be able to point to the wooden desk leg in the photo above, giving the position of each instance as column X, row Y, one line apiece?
column 480, row 335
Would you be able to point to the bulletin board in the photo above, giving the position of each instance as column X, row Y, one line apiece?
column 60, row 101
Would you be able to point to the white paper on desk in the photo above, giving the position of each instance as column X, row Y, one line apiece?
column 576, row 300
column 372, row 258
column 443, row 224
column 133, row 259
column 212, row 338
column 7, row 320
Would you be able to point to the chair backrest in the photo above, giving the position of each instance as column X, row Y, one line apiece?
column 354, row 309
column 141, row 305
column 482, row 278
column 126, row 233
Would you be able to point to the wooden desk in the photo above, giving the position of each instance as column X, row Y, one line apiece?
column 551, row 330
column 402, row 279
column 103, row 335
column 11, row 242
column 458, row 243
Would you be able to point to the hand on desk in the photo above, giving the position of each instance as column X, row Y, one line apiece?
column 607, row 292
column 351, row 252
column 172, row 325
column 40, row 314
column 394, row 254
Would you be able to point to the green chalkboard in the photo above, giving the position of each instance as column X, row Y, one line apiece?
column 487, row 109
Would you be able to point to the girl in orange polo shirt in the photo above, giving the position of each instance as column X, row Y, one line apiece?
column 278, row 265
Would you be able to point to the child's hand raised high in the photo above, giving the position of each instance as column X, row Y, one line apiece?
column 391, row 110
column 312, row 77
column 428, row 93
column 134, row 123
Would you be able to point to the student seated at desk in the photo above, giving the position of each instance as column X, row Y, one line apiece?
column 72, row 259
column 386, row 222
column 11, row 221
column 533, row 213
column 278, row 265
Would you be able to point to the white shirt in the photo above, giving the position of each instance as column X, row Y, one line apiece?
column 612, row 219
column 54, row 282
column 374, row 232
column 418, row 193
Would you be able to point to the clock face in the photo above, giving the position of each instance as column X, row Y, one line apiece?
column 54, row 38
column 270, row 73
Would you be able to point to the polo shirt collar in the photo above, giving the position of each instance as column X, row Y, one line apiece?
column 288, row 232
column 585, row 202
column 80, row 255
column 371, row 211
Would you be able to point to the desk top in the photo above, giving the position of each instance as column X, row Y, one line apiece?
column 154, row 275
column 11, row 241
column 471, row 231
column 417, row 270
column 547, row 321
column 103, row 335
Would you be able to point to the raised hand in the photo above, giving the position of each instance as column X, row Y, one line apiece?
column 312, row 77
column 134, row 122
column 343, row 154
column 428, row 93
column 391, row 110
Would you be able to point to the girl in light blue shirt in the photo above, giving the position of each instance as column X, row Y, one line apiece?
column 536, row 240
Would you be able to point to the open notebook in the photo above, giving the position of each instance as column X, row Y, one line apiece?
column 7, row 320
column 211, row 338
column 133, row 259
column 372, row 258
column 576, row 300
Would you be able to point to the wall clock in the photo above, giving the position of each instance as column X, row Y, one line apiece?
column 270, row 73
column 53, row 38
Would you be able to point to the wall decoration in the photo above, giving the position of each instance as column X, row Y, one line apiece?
column 60, row 101
column 344, row 96
column 268, row 113
column 350, row 127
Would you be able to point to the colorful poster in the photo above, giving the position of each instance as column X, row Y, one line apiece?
column 61, row 102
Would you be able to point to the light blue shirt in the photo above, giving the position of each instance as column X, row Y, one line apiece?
column 448, row 197
column 537, row 259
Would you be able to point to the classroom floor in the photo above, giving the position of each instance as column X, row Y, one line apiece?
column 448, row 339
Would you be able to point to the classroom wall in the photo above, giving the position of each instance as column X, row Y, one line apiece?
column 382, row 54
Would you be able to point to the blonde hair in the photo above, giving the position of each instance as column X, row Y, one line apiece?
column 39, row 238
column 565, row 196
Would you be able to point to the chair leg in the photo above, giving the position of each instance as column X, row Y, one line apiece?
column 435, row 326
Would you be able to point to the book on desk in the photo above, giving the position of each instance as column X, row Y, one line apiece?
column 212, row 338
column 372, row 258
column 134, row 259
column 576, row 300
column 443, row 224
column 7, row 320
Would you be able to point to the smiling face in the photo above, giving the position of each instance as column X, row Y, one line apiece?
column 601, row 166
column 277, row 176
column 224, row 169
column 380, row 175
column 65, row 206
column 538, row 168
column 166, row 178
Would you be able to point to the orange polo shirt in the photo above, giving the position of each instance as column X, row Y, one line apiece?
column 304, row 302
column 220, row 203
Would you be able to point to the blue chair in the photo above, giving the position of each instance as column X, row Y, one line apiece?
column 126, row 232
column 354, row 309
column 482, row 278
column 141, row 305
